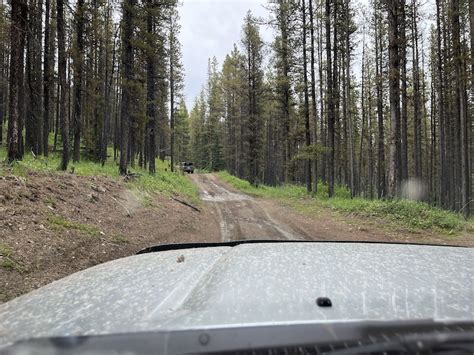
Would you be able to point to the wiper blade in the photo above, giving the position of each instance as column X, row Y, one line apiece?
column 438, row 343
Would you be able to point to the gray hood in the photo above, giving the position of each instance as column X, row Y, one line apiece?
column 249, row 284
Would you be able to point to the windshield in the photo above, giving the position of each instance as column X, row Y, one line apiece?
column 130, row 124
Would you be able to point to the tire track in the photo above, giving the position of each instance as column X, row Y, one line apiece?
column 239, row 216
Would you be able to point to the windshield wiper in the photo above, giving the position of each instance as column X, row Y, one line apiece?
column 438, row 343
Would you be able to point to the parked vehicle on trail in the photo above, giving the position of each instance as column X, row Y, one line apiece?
column 187, row 167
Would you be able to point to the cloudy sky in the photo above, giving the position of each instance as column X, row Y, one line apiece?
column 210, row 28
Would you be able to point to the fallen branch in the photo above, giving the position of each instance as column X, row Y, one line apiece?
column 131, row 176
column 186, row 204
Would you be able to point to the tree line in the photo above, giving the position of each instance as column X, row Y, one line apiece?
column 377, row 99
column 347, row 95
column 81, row 77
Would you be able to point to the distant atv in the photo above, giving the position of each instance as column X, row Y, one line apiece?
column 187, row 167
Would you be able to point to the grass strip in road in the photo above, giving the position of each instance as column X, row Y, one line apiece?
column 397, row 214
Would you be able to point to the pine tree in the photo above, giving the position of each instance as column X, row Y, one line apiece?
column 18, row 28
column 252, row 45
column 62, row 63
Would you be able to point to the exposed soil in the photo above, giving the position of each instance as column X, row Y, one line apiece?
column 332, row 226
column 243, row 217
column 240, row 216
column 54, row 225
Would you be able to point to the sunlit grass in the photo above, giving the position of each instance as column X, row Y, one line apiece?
column 396, row 213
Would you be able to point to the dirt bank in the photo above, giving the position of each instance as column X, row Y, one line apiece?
column 53, row 225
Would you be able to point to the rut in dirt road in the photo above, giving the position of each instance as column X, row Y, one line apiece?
column 239, row 216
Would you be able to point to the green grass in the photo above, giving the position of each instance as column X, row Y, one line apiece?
column 60, row 223
column 120, row 239
column 164, row 182
column 408, row 214
column 7, row 261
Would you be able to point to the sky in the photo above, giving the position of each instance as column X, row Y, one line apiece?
column 210, row 28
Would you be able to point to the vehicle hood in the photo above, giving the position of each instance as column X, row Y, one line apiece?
column 249, row 284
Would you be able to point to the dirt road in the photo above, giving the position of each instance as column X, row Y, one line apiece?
column 239, row 216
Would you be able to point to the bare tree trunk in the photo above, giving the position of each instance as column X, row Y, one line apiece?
column 404, row 111
column 381, row 189
column 371, row 150
column 151, row 93
column 461, row 111
column 417, row 120
column 62, row 63
column 47, row 87
column 393, row 8
column 19, row 13
column 442, row 119
column 348, row 113
column 306, row 102
column 56, row 121
column 127, row 64
column 313, row 96
column 323, row 115
column 172, row 94
column 78, row 60
column 362, row 154
column 471, row 111
column 34, row 119
column 330, row 95
column 109, row 79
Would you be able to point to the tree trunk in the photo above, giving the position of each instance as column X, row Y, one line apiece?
column 461, row 111
column 47, row 79
column 127, row 65
column 78, row 60
column 306, row 101
column 151, row 93
column 393, row 8
column 417, row 120
column 18, row 27
column 330, row 98
column 313, row 97
column 381, row 189
column 172, row 94
column 362, row 154
column 403, row 174
column 442, row 119
column 62, row 63
column 109, row 79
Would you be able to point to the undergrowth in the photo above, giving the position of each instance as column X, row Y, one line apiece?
column 164, row 181
column 412, row 215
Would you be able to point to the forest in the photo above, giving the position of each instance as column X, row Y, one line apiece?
column 375, row 97
column 391, row 120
